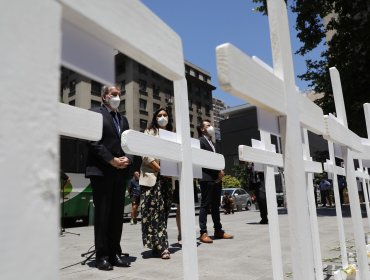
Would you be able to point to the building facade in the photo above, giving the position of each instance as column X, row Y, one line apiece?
column 218, row 106
column 143, row 91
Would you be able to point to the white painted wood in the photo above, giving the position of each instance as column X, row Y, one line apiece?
column 310, row 168
column 338, row 132
column 29, row 155
column 141, row 144
column 131, row 28
column 261, row 156
column 300, row 238
column 239, row 74
column 367, row 118
column 341, row 134
column 336, row 170
column 79, row 123
column 87, row 55
column 338, row 96
column 276, row 92
column 364, row 176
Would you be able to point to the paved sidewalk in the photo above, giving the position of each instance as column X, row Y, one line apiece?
column 247, row 256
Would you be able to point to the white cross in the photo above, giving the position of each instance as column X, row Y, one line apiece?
column 338, row 132
column 331, row 168
column 242, row 77
column 269, row 158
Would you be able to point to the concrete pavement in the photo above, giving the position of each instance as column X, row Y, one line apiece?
column 247, row 256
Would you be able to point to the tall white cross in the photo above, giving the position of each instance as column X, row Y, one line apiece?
column 338, row 132
column 363, row 159
column 242, row 77
column 331, row 168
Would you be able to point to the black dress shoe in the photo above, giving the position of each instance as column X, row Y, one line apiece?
column 103, row 264
column 264, row 222
column 117, row 261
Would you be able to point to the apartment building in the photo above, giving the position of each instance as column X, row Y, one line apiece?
column 143, row 91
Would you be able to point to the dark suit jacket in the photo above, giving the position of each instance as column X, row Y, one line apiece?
column 207, row 174
column 108, row 147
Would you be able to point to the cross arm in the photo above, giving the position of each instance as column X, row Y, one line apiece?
column 79, row 123
column 247, row 153
column 329, row 167
column 239, row 73
column 151, row 42
column 340, row 134
column 134, row 142
column 311, row 115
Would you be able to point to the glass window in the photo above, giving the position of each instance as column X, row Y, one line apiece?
column 156, row 107
column 143, row 124
column 142, row 104
column 142, row 69
column 122, row 86
column 96, row 88
column 95, row 103
column 122, row 106
column 142, row 85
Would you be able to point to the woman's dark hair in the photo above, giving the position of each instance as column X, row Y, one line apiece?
column 154, row 124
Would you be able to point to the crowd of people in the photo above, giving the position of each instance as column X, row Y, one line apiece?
column 108, row 168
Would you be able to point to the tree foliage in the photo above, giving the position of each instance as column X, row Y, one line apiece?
column 241, row 172
column 229, row 181
column 348, row 50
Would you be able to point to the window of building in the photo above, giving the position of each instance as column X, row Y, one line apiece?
column 192, row 134
column 72, row 102
column 156, row 107
column 122, row 86
column 191, row 118
column 142, row 85
column 95, row 103
column 120, row 63
column 155, row 90
column 72, row 85
column 122, row 106
column 190, row 104
column 142, row 104
column 208, row 110
column 96, row 88
column 142, row 69
column 143, row 124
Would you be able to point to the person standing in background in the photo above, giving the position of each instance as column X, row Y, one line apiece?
column 157, row 195
column 210, row 187
column 107, row 167
column 134, row 192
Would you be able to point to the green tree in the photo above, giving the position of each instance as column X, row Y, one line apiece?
column 348, row 50
column 241, row 172
column 229, row 181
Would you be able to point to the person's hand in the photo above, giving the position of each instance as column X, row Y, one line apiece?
column 221, row 174
column 120, row 162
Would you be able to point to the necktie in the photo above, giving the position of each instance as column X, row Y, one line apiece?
column 116, row 121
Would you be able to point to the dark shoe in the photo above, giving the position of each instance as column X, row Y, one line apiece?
column 205, row 238
column 264, row 222
column 117, row 261
column 103, row 264
column 220, row 234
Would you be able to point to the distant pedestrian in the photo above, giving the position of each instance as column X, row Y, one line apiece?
column 134, row 192
column 261, row 197
column 324, row 191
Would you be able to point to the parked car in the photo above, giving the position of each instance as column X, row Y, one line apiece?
column 242, row 199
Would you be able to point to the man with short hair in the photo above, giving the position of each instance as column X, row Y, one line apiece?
column 106, row 166
column 210, row 187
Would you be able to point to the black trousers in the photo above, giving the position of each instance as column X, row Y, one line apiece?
column 262, row 203
column 211, row 198
column 108, row 196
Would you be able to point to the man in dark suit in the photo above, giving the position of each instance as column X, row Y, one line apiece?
column 210, row 187
column 107, row 168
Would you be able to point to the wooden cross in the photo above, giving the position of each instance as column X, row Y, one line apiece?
column 331, row 168
column 269, row 158
column 338, row 132
column 276, row 92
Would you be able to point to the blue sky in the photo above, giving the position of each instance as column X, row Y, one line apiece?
column 205, row 24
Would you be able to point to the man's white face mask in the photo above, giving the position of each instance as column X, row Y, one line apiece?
column 211, row 132
column 114, row 102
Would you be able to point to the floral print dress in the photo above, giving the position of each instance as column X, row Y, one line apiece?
column 155, row 208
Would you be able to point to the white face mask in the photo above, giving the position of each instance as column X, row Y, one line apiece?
column 162, row 121
column 114, row 102
column 211, row 132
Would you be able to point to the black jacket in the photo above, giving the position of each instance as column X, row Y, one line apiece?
column 207, row 174
column 109, row 146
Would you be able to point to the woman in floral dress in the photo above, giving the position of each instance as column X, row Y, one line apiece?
column 157, row 195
